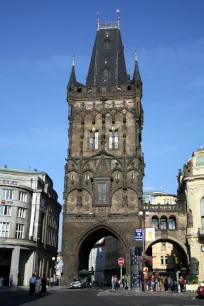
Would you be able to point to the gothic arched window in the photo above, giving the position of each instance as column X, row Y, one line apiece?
column 172, row 223
column 155, row 222
column 163, row 222
column 106, row 74
column 202, row 212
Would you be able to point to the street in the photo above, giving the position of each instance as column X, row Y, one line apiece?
column 92, row 298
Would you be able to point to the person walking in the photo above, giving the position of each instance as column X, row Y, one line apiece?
column 37, row 285
column 10, row 281
column 128, row 281
column 44, row 284
column 182, row 283
column 1, row 282
column 32, row 284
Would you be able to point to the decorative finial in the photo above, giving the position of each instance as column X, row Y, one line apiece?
column 118, row 11
column 73, row 61
column 98, row 20
column 136, row 58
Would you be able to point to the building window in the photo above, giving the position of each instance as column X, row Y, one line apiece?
column 19, row 231
column 113, row 139
column 202, row 212
column 155, row 222
column 164, row 260
column 4, row 229
column 21, row 212
column 8, row 194
column 102, row 190
column 106, row 74
column 107, row 44
column 22, row 196
column 172, row 223
column 93, row 140
column 5, row 210
column 163, row 223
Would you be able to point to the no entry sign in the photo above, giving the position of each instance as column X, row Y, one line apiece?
column 121, row 261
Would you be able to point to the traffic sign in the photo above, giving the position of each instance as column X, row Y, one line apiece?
column 138, row 234
column 121, row 261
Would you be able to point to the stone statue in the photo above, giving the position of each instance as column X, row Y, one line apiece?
column 125, row 199
column 189, row 218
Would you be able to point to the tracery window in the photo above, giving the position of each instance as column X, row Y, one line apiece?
column 102, row 193
column 172, row 223
column 93, row 140
column 113, row 139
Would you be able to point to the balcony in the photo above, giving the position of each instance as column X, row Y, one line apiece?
column 201, row 232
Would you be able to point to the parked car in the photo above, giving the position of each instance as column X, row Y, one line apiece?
column 200, row 291
column 76, row 284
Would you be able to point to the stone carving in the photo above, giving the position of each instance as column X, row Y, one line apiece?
column 190, row 218
column 79, row 200
column 125, row 199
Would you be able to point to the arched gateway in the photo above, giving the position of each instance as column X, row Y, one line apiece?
column 105, row 166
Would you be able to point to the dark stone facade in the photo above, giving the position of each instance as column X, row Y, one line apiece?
column 104, row 169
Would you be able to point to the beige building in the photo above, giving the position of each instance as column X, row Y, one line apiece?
column 165, row 256
column 29, row 224
column 191, row 187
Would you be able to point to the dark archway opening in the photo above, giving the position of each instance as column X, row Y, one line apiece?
column 167, row 256
column 113, row 249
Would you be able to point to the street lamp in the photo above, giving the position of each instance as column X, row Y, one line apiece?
column 143, row 215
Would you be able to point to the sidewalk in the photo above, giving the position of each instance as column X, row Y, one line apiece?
column 27, row 288
column 187, row 294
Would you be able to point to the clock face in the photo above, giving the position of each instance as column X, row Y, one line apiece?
column 202, row 248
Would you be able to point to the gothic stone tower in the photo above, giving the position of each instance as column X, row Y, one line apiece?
column 105, row 166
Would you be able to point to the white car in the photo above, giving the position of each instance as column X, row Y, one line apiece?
column 75, row 284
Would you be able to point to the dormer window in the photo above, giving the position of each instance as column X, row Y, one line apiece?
column 107, row 44
column 106, row 74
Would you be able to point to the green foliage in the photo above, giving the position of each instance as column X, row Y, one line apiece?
column 191, row 279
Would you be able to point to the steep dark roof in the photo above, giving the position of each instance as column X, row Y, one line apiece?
column 136, row 75
column 72, row 79
column 107, row 66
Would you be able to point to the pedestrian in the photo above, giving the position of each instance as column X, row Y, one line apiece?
column 170, row 283
column 10, row 281
column 113, row 282
column 128, row 281
column 32, row 284
column 51, row 281
column 44, row 284
column 117, row 283
column 37, row 285
column 3, row 279
column 182, row 283
column 166, row 284
column 1, row 283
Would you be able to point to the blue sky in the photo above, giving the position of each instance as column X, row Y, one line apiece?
column 38, row 39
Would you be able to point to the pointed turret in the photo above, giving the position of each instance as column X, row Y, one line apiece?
column 136, row 75
column 72, row 79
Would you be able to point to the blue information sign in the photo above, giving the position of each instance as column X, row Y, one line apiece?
column 138, row 234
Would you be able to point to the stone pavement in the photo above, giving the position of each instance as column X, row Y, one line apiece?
column 187, row 294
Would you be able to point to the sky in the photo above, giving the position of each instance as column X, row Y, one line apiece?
column 38, row 40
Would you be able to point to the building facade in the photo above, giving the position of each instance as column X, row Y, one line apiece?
column 191, row 188
column 97, row 258
column 105, row 165
column 29, row 224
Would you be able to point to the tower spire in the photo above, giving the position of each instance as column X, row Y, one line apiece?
column 118, row 21
column 98, row 20
column 136, row 75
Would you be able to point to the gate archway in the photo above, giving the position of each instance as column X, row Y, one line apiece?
column 88, row 239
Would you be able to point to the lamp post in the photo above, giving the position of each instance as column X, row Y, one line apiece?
column 53, row 259
column 143, row 216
